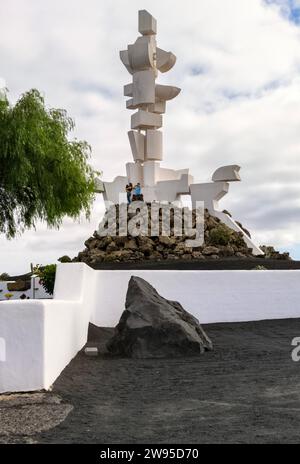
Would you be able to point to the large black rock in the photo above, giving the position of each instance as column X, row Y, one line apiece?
column 153, row 327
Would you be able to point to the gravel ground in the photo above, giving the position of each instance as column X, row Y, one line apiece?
column 246, row 390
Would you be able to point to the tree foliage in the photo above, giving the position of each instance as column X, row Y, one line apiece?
column 46, row 275
column 220, row 235
column 43, row 175
column 4, row 276
column 64, row 259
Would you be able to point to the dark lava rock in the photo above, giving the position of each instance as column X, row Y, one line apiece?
column 19, row 286
column 153, row 327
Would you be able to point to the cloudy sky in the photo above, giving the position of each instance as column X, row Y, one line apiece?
column 238, row 64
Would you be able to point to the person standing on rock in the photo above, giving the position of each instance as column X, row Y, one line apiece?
column 129, row 188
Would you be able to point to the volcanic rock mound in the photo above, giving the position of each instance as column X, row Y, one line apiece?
column 219, row 242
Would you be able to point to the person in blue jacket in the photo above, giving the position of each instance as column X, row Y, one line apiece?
column 137, row 189
column 137, row 193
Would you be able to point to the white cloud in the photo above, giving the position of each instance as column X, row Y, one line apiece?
column 238, row 65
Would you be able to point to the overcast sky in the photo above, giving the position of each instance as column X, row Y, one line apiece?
column 238, row 64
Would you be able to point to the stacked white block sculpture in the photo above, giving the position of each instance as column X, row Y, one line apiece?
column 144, row 60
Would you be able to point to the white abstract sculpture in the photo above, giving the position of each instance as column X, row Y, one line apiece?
column 144, row 60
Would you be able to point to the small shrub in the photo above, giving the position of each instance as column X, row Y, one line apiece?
column 238, row 240
column 46, row 275
column 259, row 268
column 8, row 296
column 220, row 235
column 64, row 259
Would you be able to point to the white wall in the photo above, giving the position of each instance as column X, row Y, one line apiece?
column 38, row 338
column 211, row 296
column 22, row 329
column 41, row 338
column 65, row 333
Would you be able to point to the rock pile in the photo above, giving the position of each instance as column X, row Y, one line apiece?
column 153, row 327
column 19, row 286
column 219, row 242
column 271, row 253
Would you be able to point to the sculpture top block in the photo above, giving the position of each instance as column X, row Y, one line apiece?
column 147, row 24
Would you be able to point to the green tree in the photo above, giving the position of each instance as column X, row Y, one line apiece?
column 4, row 276
column 43, row 175
column 64, row 259
column 46, row 275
